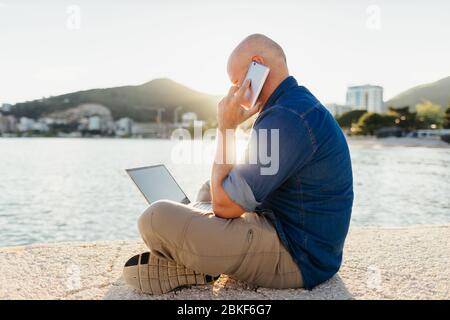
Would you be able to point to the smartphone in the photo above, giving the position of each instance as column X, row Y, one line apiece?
column 257, row 73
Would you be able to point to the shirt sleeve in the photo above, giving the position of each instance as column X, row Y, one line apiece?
column 281, row 143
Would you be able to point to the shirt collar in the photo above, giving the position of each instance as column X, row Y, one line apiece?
column 284, row 86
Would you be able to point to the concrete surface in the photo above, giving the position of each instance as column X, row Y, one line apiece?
column 379, row 263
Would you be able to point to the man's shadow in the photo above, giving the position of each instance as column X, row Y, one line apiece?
column 228, row 288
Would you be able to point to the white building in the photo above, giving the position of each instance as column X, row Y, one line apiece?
column 8, row 124
column 40, row 126
column 124, row 127
column 6, row 107
column 366, row 97
column 26, row 124
column 94, row 123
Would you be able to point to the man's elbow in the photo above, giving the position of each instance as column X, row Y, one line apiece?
column 220, row 210
column 226, row 212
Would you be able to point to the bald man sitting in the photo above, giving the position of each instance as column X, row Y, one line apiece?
column 285, row 229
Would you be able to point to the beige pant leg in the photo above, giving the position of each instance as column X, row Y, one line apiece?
column 246, row 248
column 267, row 262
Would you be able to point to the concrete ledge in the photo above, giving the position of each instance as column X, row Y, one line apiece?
column 379, row 263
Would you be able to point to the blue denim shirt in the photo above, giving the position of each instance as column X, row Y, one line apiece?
column 309, row 198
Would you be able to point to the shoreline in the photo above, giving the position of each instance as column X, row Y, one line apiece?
column 374, row 142
column 362, row 140
column 379, row 263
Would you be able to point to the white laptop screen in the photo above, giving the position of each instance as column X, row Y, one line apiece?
column 156, row 183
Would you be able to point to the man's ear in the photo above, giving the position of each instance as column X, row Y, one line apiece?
column 258, row 59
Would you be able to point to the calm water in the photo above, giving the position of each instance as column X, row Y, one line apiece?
column 76, row 189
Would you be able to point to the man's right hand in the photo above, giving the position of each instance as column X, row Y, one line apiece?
column 230, row 112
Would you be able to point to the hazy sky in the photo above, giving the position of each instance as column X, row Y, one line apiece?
column 47, row 48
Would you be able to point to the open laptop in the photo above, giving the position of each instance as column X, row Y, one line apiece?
column 156, row 183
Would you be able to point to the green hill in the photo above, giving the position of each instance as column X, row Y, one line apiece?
column 437, row 92
column 137, row 102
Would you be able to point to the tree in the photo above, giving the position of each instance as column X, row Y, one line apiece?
column 346, row 119
column 405, row 119
column 447, row 118
column 370, row 122
column 429, row 115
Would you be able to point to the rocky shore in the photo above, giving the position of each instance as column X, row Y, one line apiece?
column 379, row 263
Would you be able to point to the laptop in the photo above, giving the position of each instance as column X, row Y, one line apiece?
column 156, row 183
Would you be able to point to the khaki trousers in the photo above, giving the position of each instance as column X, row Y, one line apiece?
column 246, row 248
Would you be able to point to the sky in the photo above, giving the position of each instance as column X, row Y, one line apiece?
column 54, row 47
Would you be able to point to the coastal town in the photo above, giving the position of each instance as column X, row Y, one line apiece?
column 90, row 120
column 364, row 113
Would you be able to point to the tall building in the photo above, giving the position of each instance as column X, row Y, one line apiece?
column 366, row 97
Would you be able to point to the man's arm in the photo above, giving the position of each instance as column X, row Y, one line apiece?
column 224, row 161
column 291, row 147
column 230, row 114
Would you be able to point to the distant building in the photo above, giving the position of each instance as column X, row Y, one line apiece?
column 337, row 109
column 94, row 123
column 40, row 126
column 153, row 130
column 124, row 127
column 48, row 121
column 85, row 110
column 5, row 107
column 97, row 124
column 26, row 124
column 3, row 124
column 8, row 124
column 88, row 118
column 366, row 97
column 188, row 119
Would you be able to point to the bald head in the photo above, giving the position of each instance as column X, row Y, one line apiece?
column 257, row 45
column 262, row 49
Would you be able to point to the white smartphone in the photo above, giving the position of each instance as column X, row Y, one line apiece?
column 257, row 73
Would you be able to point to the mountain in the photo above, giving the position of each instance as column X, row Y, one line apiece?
column 437, row 92
column 141, row 103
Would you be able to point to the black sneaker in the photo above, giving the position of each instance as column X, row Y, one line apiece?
column 150, row 274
